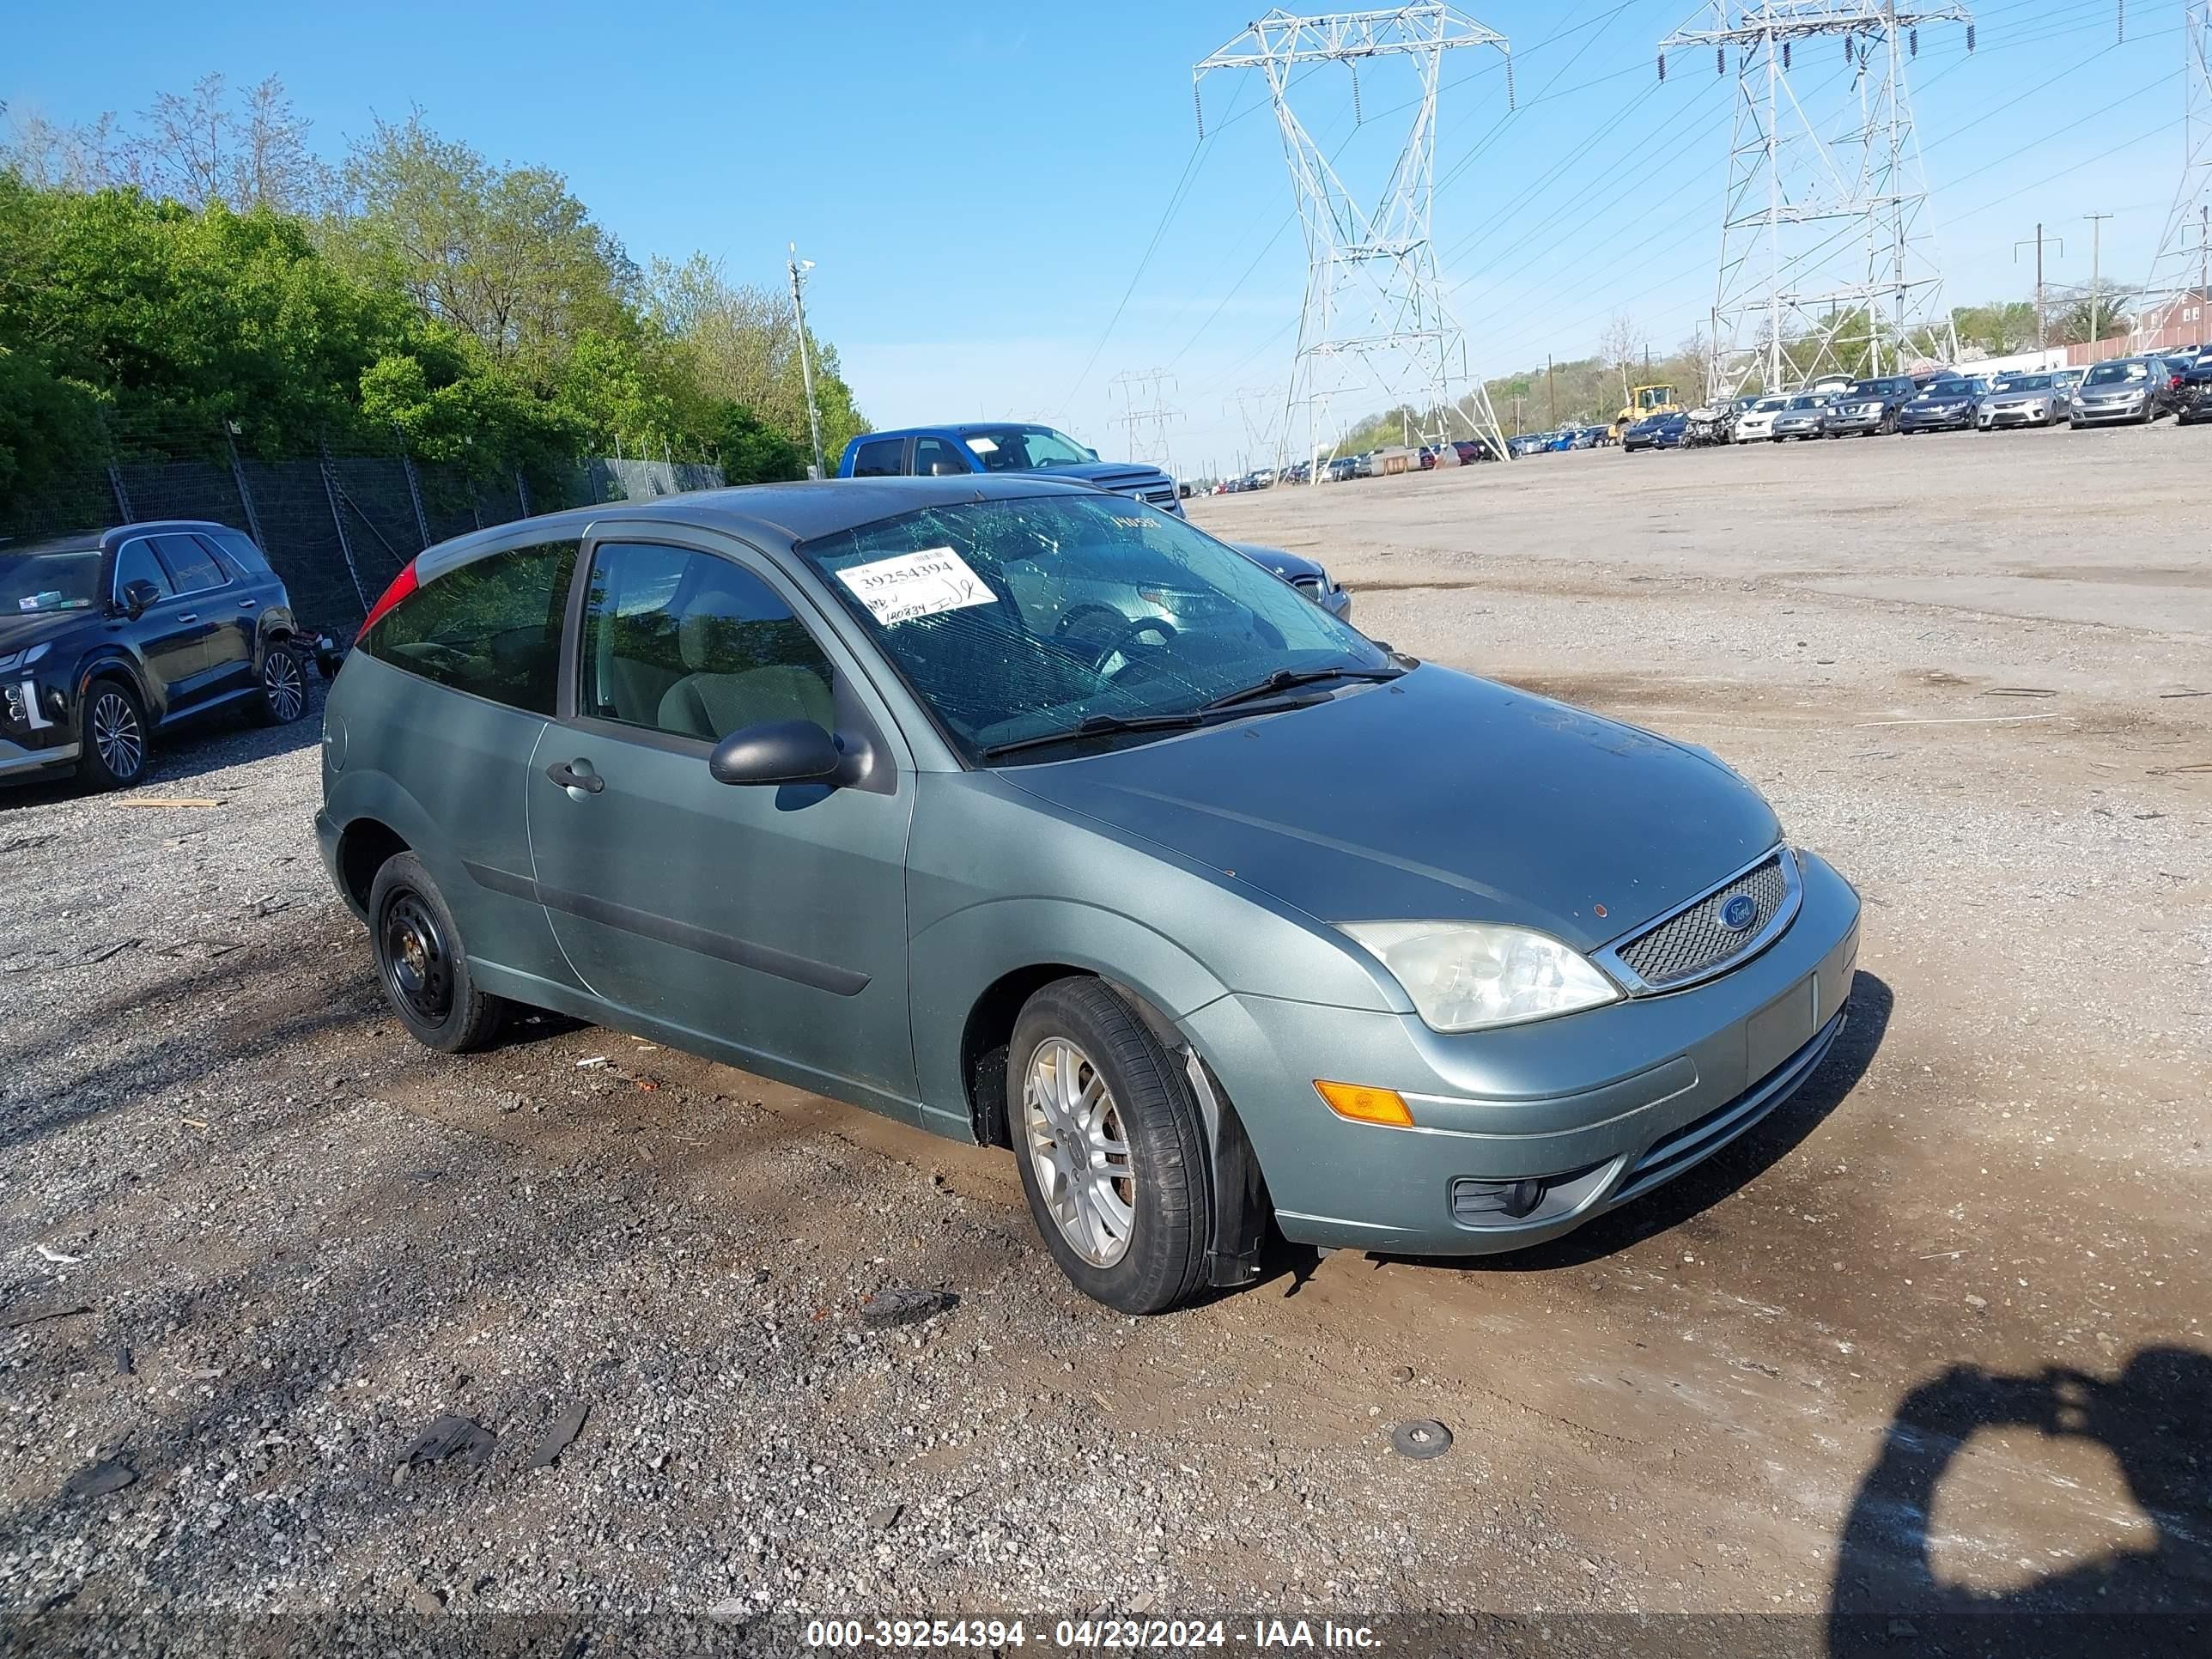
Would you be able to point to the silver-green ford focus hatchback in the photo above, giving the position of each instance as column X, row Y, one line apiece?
column 1038, row 817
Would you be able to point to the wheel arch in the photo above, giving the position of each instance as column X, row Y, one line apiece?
column 113, row 664
column 365, row 845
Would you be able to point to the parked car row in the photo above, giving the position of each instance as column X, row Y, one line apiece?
column 2121, row 391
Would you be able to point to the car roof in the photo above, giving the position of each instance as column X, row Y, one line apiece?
column 87, row 541
column 762, row 513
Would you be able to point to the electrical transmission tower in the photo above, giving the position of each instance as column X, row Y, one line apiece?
column 1375, row 314
column 2183, row 266
column 1145, row 414
column 1827, row 260
column 1258, row 407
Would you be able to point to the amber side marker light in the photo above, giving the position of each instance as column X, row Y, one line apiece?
column 1364, row 1105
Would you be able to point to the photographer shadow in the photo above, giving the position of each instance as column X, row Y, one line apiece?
column 2155, row 1418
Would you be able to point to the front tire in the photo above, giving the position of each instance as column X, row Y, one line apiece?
column 1108, row 1139
column 421, row 965
column 283, row 686
column 113, row 736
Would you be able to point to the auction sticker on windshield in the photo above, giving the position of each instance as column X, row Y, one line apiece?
column 916, row 585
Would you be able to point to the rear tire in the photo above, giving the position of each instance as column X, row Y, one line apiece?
column 282, row 697
column 114, row 746
column 421, row 965
column 1107, row 1138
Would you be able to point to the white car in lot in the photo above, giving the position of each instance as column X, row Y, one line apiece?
column 1756, row 424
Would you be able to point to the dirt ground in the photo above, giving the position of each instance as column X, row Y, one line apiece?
column 1932, row 1341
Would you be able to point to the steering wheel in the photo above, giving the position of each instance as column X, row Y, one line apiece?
column 1119, row 641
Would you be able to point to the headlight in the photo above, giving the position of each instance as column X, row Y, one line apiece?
column 1464, row 976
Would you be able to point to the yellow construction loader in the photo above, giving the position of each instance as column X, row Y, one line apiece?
column 1643, row 402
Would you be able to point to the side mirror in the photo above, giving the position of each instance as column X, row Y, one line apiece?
column 778, row 751
column 140, row 597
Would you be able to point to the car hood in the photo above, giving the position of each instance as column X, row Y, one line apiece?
column 1438, row 796
column 1122, row 475
column 1287, row 565
column 18, row 631
column 1948, row 400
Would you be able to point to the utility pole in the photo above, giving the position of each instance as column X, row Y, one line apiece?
column 2096, row 232
column 2042, row 334
column 798, row 268
column 1551, row 386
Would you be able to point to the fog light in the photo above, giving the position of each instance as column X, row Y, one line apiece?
column 1365, row 1105
column 1473, row 1201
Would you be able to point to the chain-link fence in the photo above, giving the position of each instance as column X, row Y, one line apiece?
column 336, row 527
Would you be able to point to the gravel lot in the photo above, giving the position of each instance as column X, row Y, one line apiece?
column 1933, row 1339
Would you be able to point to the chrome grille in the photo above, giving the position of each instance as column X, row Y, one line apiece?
column 1692, row 943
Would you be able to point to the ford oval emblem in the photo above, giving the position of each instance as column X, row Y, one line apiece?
column 1739, row 913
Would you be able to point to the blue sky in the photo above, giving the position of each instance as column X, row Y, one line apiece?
column 980, row 186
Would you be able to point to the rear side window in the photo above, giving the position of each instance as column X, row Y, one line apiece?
column 879, row 459
column 693, row 645
column 192, row 567
column 491, row 628
column 243, row 553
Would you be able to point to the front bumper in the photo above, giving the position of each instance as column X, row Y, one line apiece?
column 1598, row 1107
column 1797, row 429
column 21, row 761
column 2022, row 416
column 1838, row 425
column 2110, row 414
column 1955, row 420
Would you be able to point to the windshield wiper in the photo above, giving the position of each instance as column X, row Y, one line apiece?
column 1282, row 679
column 1098, row 725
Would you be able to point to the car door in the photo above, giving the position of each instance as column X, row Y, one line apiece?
column 208, row 600
column 460, row 689
column 167, row 634
column 770, row 921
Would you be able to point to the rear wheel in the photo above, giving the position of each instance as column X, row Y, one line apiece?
column 114, row 738
column 1108, row 1139
column 421, row 964
column 284, row 684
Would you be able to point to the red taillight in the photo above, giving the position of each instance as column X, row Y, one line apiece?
column 402, row 586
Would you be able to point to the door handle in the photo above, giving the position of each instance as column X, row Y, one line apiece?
column 189, row 615
column 247, row 604
column 565, row 774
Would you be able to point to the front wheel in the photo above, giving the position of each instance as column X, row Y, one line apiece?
column 419, row 960
column 1112, row 1160
column 113, row 739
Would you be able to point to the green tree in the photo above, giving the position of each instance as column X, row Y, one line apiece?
column 505, row 255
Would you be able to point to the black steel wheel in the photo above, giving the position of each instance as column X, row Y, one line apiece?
column 422, row 964
column 113, row 750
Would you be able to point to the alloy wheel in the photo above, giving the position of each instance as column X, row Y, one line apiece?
column 1079, row 1148
column 418, row 965
column 116, row 734
column 282, row 685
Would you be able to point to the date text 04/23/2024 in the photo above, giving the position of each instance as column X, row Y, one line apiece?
column 1083, row 1635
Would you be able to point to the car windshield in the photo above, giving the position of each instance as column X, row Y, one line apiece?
column 1771, row 406
column 2026, row 383
column 1808, row 401
column 1868, row 389
column 31, row 583
column 2116, row 373
column 1018, row 621
column 1025, row 448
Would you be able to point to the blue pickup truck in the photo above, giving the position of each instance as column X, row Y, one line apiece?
column 1013, row 447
